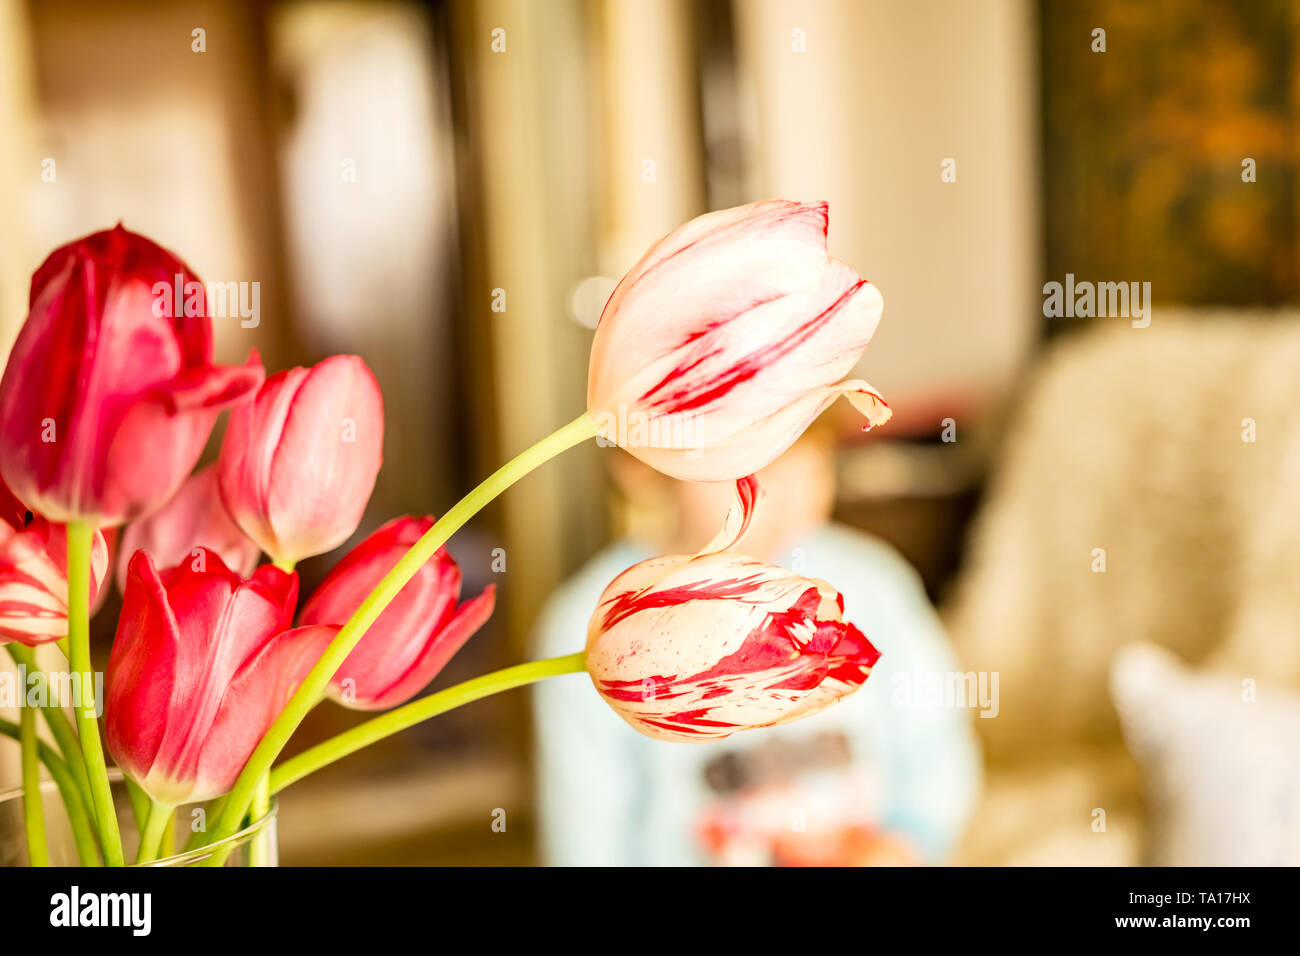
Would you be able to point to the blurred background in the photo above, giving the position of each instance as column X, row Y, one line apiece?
column 1104, row 513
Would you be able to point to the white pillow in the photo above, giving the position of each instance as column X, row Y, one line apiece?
column 1220, row 759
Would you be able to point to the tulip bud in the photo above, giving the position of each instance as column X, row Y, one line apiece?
column 201, row 667
column 415, row 636
column 107, row 401
column 33, row 576
column 194, row 519
column 694, row 647
column 727, row 339
column 299, row 462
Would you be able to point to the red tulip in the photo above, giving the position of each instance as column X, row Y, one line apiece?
column 415, row 636
column 105, row 405
column 201, row 666
column 727, row 339
column 298, row 463
column 194, row 518
column 33, row 580
column 694, row 647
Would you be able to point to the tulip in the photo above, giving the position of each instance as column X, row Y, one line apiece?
column 33, row 579
column 201, row 665
column 727, row 339
column 701, row 646
column 194, row 519
column 106, row 404
column 415, row 636
column 299, row 462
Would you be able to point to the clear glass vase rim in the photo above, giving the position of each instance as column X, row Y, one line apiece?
column 116, row 777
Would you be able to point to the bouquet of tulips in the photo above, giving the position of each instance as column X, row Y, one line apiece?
column 712, row 356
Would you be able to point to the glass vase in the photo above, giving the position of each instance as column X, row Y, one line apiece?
column 253, row 846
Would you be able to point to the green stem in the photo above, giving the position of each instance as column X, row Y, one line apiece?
column 169, row 837
column 259, row 850
column 363, row 735
column 83, row 834
column 151, row 836
column 313, row 686
column 80, row 537
column 59, row 724
column 140, row 802
column 38, row 853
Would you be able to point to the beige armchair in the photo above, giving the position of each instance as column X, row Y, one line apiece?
column 1146, row 490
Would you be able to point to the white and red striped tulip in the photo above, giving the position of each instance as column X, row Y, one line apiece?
column 728, row 338
column 695, row 647
column 33, row 578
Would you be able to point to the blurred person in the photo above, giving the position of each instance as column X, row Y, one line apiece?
column 862, row 783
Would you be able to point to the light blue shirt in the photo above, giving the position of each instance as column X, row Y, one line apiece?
column 611, row 796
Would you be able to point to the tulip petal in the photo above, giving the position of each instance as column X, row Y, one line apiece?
column 757, row 366
column 194, row 518
column 33, row 582
column 700, row 276
column 848, row 668
column 469, row 617
column 251, row 702
column 158, row 439
column 736, row 522
column 868, row 401
column 223, row 625
column 33, row 591
column 403, row 643
column 761, row 443
column 141, row 671
column 299, row 463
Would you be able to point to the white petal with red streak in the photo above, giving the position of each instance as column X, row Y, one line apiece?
column 701, row 275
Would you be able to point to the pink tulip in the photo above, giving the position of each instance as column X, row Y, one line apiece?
column 694, row 647
column 194, row 519
column 33, row 581
column 298, row 463
column 201, row 666
column 105, row 404
column 727, row 339
column 415, row 636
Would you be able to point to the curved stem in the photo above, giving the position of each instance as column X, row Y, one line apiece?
column 83, row 833
column 80, row 536
column 59, row 724
column 363, row 735
column 38, row 853
column 151, row 836
column 313, row 686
